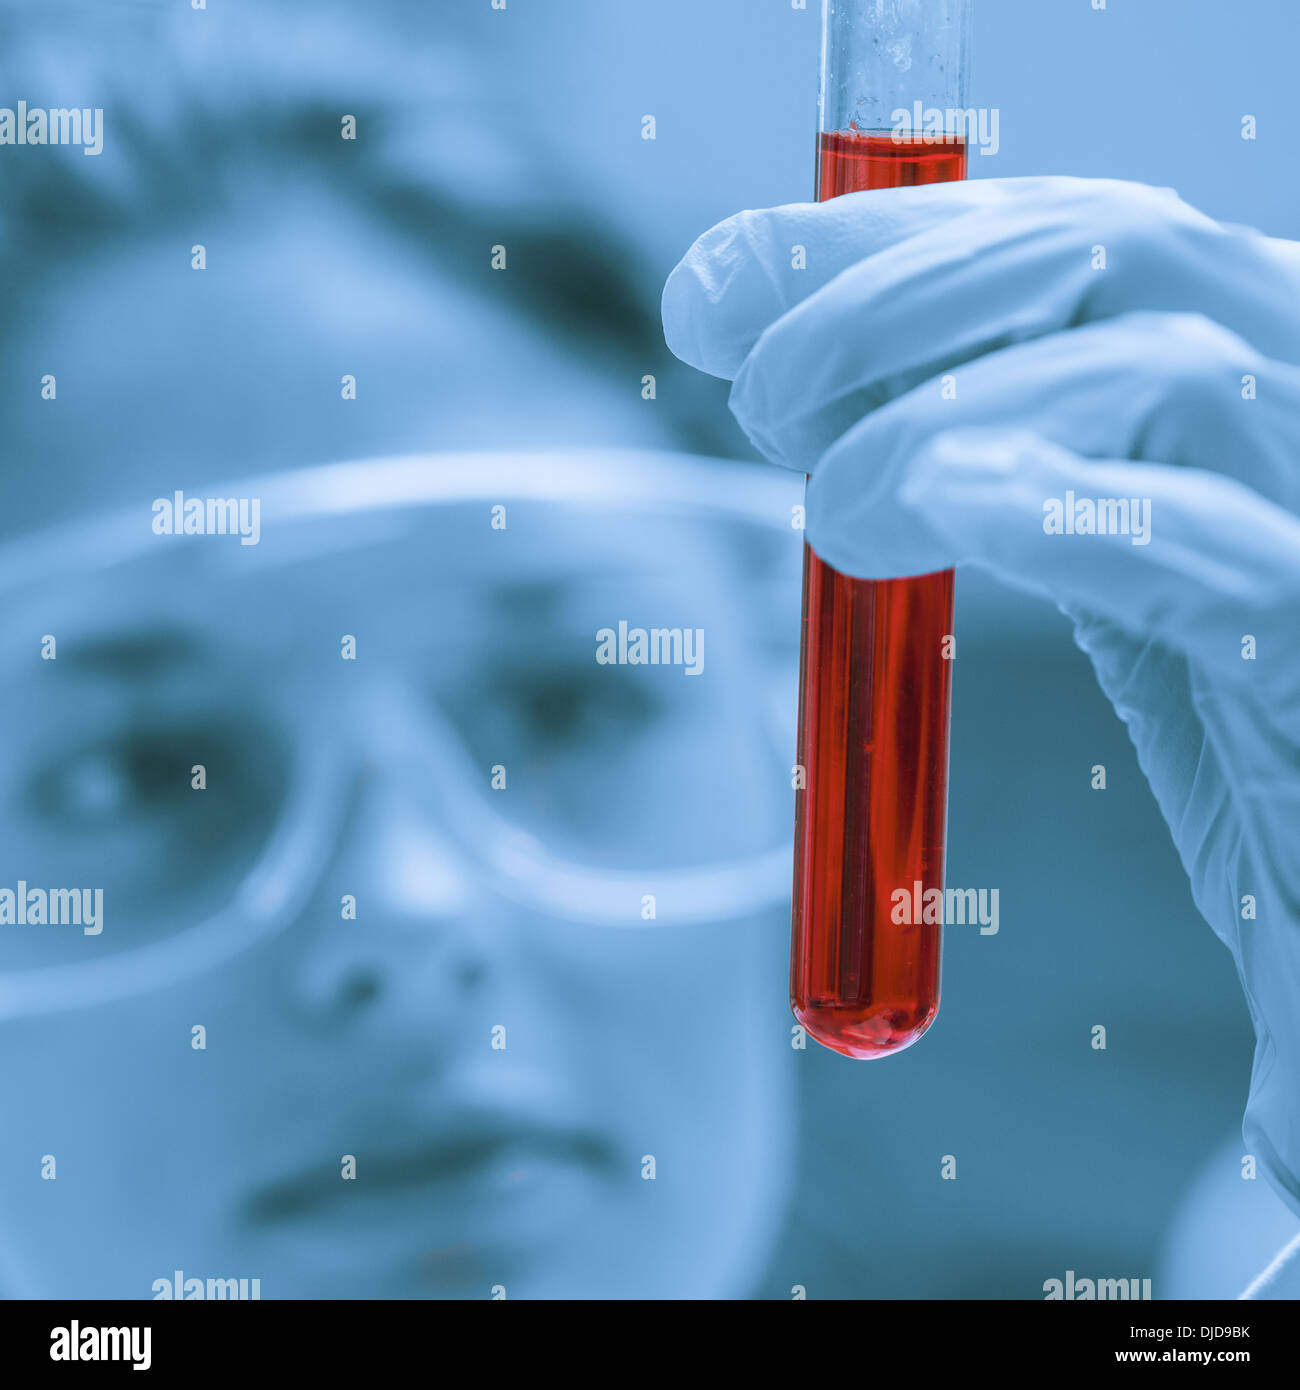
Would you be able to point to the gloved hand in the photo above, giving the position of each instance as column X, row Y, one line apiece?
column 957, row 356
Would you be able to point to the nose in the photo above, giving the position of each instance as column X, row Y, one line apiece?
column 395, row 921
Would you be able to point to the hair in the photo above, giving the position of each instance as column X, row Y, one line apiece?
column 214, row 111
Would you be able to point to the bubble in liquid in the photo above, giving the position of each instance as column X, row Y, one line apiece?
column 900, row 53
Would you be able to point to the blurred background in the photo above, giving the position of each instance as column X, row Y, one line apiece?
column 523, row 126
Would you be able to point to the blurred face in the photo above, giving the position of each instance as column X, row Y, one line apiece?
column 384, row 1067
column 169, row 376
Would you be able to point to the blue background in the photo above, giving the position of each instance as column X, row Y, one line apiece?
column 1123, row 1163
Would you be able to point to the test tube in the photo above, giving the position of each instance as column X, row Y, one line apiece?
column 875, row 677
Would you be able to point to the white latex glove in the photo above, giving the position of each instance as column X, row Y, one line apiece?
column 952, row 360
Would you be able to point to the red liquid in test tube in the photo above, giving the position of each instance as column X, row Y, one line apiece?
column 873, row 742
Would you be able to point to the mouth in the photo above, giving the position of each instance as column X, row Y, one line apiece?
column 454, row 1174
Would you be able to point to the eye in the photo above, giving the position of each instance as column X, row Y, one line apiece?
column 555, row 709
column 583, row 705
column 112, row 781
column 142, row 775
column 562, row 707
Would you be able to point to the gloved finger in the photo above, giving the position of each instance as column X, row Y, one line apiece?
column 1222, row 567
column 739, row 277
column 1175, row 388
column 1150, row 687
column 1220, row 563
column 1227, row 780
column 994, row 278
column 1205, row 770
column 1272, row 1125
column 746, row 273
column 1282, row 1277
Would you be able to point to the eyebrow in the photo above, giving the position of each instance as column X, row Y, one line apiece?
column 136, row 654
column 533, row 600
column 556, row 590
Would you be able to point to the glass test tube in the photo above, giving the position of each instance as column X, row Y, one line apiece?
column 870, row 819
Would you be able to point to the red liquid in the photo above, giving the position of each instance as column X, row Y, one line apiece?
column 873, row 742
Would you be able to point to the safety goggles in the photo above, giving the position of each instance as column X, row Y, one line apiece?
column 579, row 667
